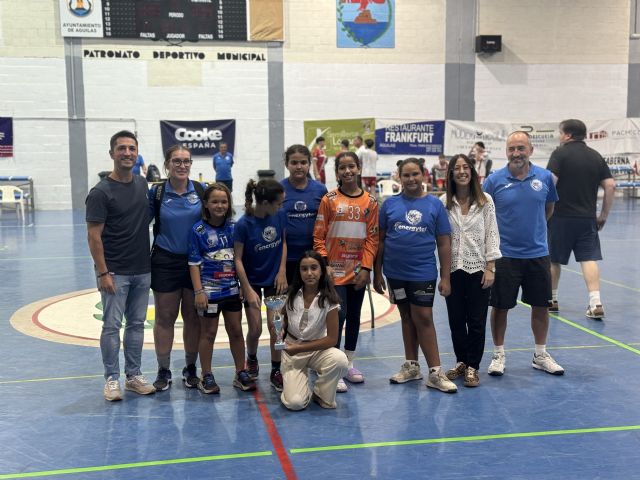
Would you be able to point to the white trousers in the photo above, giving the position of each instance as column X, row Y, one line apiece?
column 330, row 365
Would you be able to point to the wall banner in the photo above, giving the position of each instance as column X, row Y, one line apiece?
column 410, row 138
column 6, row 137
column 617, row 140
column 365, row 23
column 334, row 131
column 201, row 137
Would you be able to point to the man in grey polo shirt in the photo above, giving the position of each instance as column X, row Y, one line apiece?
column 117, row 215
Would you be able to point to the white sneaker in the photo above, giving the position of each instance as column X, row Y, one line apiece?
column 111, row 390
column 440, row 381
column 596, row 312
column 139, row 384
column 341, row 387
column 496, row 367
column 546, row 363
column 408, row 371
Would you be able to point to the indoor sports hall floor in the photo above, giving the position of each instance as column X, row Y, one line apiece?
column 54, row 422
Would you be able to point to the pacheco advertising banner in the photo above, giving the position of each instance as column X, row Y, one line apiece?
column 6, row 137
column 334, row 131
column 202, row 137
column 409, row 137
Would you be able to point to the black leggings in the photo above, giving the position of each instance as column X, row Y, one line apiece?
column 467, row 307
column 350, row 306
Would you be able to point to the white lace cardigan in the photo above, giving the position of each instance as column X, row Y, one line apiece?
column 474, row 236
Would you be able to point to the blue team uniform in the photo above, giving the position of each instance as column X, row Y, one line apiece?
column 301, row 208
column 212, row 248
column 520, row 210
column 178, row 213
column 222, row 165
column 263, row 239
column 412, row 225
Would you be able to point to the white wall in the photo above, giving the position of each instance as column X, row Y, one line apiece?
column 559, row 59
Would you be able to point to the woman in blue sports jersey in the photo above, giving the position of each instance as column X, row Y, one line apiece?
column 412, row 223
column 260, row 251
column 301, row 202
column 177, row 209
column 216, row 287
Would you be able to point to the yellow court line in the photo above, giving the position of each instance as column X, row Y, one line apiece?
column 621, row 285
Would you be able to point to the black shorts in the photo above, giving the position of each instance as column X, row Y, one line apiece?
column 169, row 271
column 268, row 292
column 228, row 183
column 291, row 270
column 415, row 293
column 532, row 274
column 577, row 234
column 229, row 304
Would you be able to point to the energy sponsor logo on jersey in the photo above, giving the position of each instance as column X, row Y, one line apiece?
column 300, row 206
column 413, row 217
column 269, row 234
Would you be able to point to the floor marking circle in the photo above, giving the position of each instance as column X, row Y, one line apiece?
column 75, row 318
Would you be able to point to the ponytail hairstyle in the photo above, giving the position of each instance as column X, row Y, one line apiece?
column 266, row 190
column 477, row 195
column 325, row 284
column 297, row 149
column 350, row 155
column 220, row 187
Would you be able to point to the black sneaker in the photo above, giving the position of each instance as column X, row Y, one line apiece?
column 163, row 380
column 190, row 376
column 253, row 368
column 208, row 384
column 276, row 380
column 243, row 381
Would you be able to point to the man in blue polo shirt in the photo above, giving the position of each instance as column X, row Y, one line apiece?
column 524, row 195
column 222, row 163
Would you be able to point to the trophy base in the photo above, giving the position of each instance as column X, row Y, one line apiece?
column 280, row 346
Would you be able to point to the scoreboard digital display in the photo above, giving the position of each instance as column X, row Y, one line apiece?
column 176, row 20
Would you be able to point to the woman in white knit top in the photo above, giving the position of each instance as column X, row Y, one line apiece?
column 475, row 245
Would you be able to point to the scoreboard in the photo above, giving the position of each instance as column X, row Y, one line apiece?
column 176, row 20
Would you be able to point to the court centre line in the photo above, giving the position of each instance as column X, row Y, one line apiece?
column 621, row 285
column 387, row 357
column 475, row 438
column 590, row 332
column 122, row 466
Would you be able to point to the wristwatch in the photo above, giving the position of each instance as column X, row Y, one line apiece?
column 491, row 269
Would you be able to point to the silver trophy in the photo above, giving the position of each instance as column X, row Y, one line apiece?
column 275, row 303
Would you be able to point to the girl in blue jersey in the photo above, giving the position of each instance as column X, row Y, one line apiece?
column 216, row 287
column 260, row 251
column 411, row 225
column 176, row 206
column 301, row 202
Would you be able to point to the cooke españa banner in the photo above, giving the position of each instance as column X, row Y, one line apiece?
column 201, row 137
column 410, row 138
column 6, row 137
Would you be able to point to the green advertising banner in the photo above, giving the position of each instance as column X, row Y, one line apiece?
column 334, row 131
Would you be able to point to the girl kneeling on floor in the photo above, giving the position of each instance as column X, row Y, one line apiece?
column 311, row 326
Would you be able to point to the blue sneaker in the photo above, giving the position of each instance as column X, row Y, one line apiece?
column 190, row 376
column 208, row 384
column 163, row 380
column 244, row 382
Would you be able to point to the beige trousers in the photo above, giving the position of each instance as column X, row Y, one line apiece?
column 331, row 366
